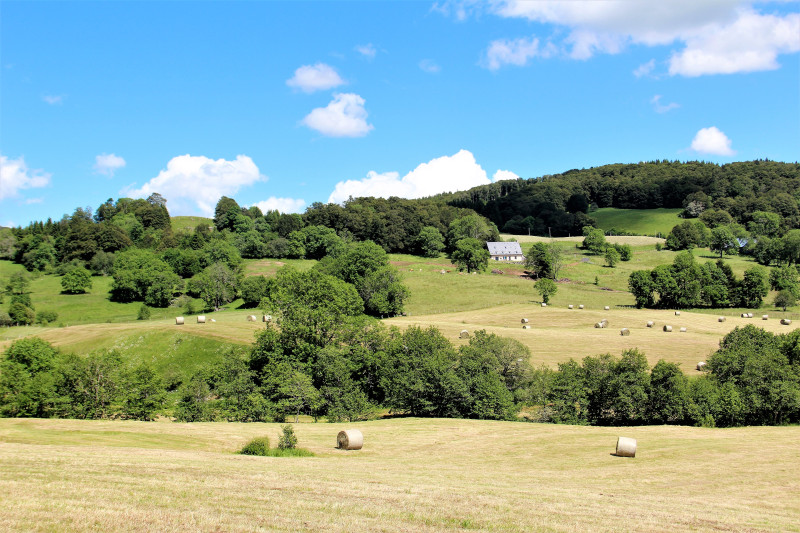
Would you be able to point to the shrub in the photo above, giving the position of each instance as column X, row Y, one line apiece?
column 144, row 313
column 288, row 440
column 45, row 317
column 5, row 319
column 257, row 446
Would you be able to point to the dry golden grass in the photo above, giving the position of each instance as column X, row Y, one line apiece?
column 411, row 475
column 633, row 240
column 558, row 333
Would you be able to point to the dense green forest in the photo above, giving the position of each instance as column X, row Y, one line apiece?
column 559, row 204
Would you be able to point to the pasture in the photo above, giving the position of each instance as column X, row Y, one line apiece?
column 411, row 475
column 638, row 221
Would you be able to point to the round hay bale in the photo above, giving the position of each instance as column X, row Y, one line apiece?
column 667, row 328
column 677, row 313
column 626, row 447
column 650, row 323
column 599, row 325
column 213, row 321
column 749, row 315
column 526, row 327
column 786, row 322
column 464, row 334
column 570, row 306
column 625, row 332
column 606, row 308
column 544, row 304
column 251, row 318
column 524, row 320
column 349, row 439
column 266, row 318
column 580, row 306
column 701, row 365
column 764, row 317
column 744, row 315
column 683, row 330
column 721, row 319
column 201, row 319
column 178, row 320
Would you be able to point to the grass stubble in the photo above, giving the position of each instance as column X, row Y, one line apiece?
column 411, row 475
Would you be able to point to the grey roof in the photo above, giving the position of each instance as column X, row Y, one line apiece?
column 504, row 248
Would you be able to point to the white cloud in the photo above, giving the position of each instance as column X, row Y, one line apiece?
column 283, row 205
column 714, row 36
column 344, row 116
column 429, row 66
column 752, row 43
column 197, row 182
column 662, row 108
column 501, row 175
column 107, row 164
column 53, row 99
column 311, row 78
column 645, row 69
column 367, row 50
column 505, row 52
column 16, row 176
column 30, row 201
column 712, row 141
column 443, row 174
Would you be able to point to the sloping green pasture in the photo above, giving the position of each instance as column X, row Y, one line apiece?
column 638, row 221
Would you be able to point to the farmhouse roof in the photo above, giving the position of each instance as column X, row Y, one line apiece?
column 504, row 248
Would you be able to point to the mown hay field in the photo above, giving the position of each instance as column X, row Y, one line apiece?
column 411, row 475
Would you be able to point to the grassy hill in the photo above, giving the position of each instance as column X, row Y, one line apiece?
column 451, row 301
column 187, row 223
column 637, row 221
column 411, row 475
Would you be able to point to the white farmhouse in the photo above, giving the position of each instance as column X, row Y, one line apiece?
column 505, row 251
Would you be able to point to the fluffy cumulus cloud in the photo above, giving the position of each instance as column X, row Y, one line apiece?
column 751, row 43
column 311, row 78
column 501, row 175
column 711, row 36
column 712, row 141
column 107, row 164
column 16, row 176
column 344, row 116
column 283, row 205
column 192, row 183
column 443, row 174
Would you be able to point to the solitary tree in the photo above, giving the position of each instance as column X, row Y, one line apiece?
column 785, row 299
column 612, row 256
column 470, row 255
column 594, row 239
column 546, row 287
column 76, row 281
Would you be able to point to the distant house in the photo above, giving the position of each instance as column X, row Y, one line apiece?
column 505, row 251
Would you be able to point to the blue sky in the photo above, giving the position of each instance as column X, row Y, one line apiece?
column 281, row 104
